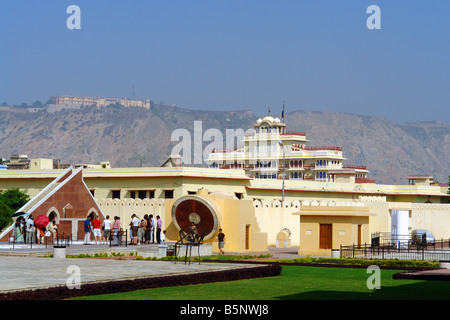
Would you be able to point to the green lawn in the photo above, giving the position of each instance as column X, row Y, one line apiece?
column 298, row 283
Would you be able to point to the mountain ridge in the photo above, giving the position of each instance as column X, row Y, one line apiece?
column 127, row 136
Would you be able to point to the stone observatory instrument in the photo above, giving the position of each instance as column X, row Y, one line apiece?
column 201, row 211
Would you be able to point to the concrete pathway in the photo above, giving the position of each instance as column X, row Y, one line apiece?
column 26, row 273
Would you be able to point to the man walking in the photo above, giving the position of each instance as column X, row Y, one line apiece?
column 221, row 239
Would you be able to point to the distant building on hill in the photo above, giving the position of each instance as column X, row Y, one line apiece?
column 16, row 161
column 57, row 103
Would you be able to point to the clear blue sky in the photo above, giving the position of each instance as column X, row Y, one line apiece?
column 234, row 55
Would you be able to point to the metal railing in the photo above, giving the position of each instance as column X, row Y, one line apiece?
column 412, row 240
column 435, row 252
column 61, row 239
column 119, row 238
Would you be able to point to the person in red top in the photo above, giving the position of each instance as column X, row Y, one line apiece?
column 97, row 232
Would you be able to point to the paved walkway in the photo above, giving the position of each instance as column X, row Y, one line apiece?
column 27, row 273
column 26, row 269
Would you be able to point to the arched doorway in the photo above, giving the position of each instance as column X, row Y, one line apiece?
column 53, row 214
column 93, row 212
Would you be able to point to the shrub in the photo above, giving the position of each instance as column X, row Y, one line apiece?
column 364, row 262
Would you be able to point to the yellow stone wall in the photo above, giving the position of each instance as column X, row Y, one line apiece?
column 261, row 205
column 344, row 221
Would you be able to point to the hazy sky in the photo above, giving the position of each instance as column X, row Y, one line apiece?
column 234, row 55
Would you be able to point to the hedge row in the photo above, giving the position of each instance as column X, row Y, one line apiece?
column 362, row 263
column 365, row 262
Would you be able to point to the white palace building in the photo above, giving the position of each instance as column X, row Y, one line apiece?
column 272, row 152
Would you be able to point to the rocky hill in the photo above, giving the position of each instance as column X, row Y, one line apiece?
column 127, row 136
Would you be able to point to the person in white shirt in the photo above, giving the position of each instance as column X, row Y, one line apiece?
column 152, row 229
column 30, row 230
column 135, row 222
column 106, row 226
column 163, row 237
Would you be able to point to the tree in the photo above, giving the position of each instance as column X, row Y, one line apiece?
column 11, row 200
column 5, row 215
column 14, row 198
column 37, row 104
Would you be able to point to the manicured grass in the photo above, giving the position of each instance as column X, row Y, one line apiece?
column 299, row 283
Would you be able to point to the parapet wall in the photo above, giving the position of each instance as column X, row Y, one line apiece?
column 124, row 208
column 273, row 216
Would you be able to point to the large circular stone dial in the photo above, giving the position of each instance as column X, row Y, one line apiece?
column 199, row 210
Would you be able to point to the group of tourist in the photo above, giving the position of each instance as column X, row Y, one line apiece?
column 25, row 231
column 141, row 230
